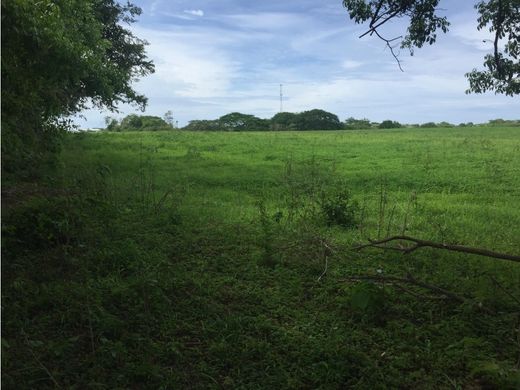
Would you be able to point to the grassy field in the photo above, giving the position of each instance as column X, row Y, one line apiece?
column 224, row 260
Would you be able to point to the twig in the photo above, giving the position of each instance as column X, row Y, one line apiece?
column 416, row 294
column 41, row 364
column 501, row 287
column 418, row 243
column 388, row 41
column 325, row 270
column 408, row 280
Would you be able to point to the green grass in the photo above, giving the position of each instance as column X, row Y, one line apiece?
column 193, row 260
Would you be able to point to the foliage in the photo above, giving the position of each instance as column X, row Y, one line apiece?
column 339, row 209
column 164, row 271
column 503, row 122
column 168, row 118
column 284, row 121
column 202, row 125
column 135, row 122
column 317, row 120
column 57, row 56
column 502, row 68
column 388, row 124
column 357, row 124
column 235, row 121
column 240, row 122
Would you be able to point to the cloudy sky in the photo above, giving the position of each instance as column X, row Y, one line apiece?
column 215, row 57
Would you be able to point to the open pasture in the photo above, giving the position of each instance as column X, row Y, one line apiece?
column 224, row 260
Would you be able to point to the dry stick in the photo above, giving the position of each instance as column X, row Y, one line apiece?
column 416, row 294
column 407, row 280
column 325, row 270
column 425, row 243
column 329, row 251
column 499, row 285
column 41, row 364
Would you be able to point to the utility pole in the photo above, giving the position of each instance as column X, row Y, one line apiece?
column 281, row 97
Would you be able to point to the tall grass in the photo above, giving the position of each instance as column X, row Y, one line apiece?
column 222, row 260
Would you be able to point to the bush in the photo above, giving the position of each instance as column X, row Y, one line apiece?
column 357, row 124
column 135, row 122
column 388, row 124
column 339, row 209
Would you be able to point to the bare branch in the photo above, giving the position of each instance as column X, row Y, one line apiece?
column 388, row 41
column 408, row 280
column 418, row 243
column 501, row 287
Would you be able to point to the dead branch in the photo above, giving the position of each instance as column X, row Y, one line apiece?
column 501, row 287
column 408, row 280
column 418, row 243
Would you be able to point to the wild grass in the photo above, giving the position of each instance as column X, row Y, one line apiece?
column 222, row 260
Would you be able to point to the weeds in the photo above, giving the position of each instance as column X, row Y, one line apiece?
column 122, row 279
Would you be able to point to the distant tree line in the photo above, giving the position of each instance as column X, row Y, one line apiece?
column 307, row 120
column 135, row 122
column 284, row 121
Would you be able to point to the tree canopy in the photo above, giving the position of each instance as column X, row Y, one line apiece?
column 501, row 71
column 57, row 57
column 135, row 122
column 307, row 120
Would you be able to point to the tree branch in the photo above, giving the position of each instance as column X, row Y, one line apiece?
column 408, row 280
column 418, row 243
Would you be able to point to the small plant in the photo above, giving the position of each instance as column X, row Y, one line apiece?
column 338, row 208
column 266, row 237
column 368, row 301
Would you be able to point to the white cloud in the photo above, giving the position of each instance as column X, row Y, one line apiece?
column 350, row 64
column 194, row 12
column 234, row 58
column 189, row 64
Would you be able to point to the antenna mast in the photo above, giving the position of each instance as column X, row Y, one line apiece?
column 281, row 97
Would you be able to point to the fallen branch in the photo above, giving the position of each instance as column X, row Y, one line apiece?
column 418, row 243
column 408, row 280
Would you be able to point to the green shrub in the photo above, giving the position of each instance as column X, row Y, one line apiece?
column 388, row 124
column 338, row 208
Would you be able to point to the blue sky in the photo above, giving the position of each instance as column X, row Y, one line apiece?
column 215, row 57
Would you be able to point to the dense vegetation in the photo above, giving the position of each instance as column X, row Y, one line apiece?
column 135, row 122
column 58, row 58
column 307, row 120
column 501, row 72
column 223, row 260
column 284, row 121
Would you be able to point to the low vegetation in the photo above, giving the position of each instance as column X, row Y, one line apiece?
column 224, row 260
column 284, row 121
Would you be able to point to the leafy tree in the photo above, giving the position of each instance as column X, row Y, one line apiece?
column 318, row 120
column 58, row 56
column 388, row 124
column 135, row 122
column 237, row 121
column 501, row 71
column 111, row 123
column 202, row 125
column 168, row 118
column 284, row 121
column 131, row 122
column 354, row 124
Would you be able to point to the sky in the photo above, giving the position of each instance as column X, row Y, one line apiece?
column 216, row 57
